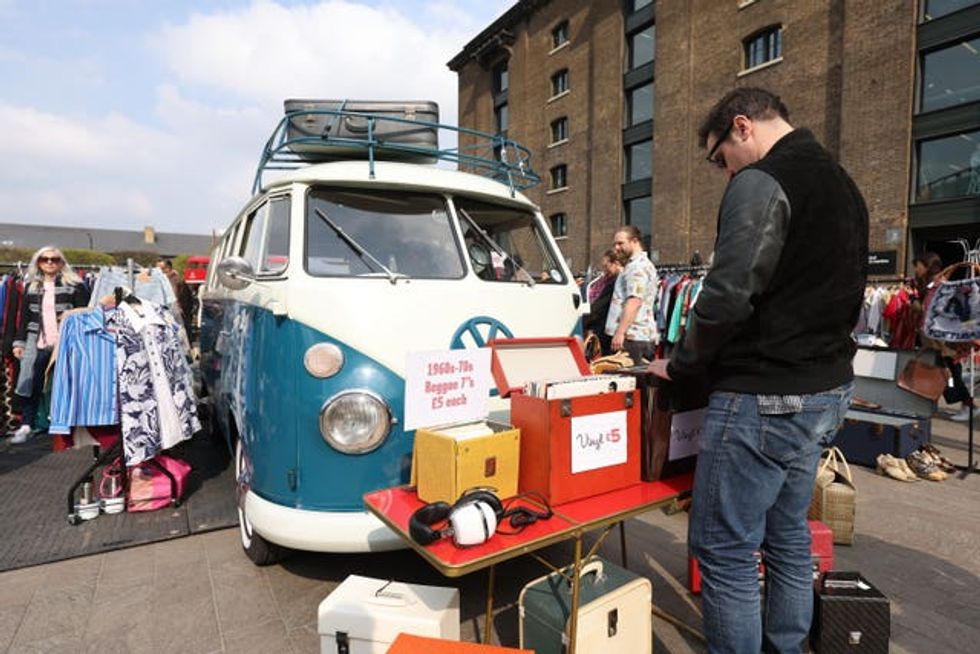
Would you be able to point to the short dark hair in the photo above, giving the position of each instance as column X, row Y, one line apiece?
column 752, row 102
column 614, row 257
column 632, row 232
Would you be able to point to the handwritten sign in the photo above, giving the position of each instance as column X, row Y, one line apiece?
column 446, row 386
column 685, row 434
column 598, row 441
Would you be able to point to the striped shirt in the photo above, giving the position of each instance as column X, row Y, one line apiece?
column 84, row 389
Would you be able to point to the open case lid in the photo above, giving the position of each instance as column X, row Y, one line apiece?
column 516, row 361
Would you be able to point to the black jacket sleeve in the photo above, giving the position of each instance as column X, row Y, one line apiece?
column 752, row 227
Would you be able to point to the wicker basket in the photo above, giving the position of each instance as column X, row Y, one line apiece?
column 835, row 497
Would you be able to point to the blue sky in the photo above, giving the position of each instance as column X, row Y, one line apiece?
column 126, row 113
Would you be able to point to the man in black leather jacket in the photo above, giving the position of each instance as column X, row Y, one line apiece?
column 771, row 332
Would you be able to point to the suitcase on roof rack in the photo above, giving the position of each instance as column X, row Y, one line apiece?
column 330, row 136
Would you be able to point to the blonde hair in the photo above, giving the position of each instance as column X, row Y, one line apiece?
column 35, row 278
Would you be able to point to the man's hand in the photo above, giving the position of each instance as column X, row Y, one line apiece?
column 617, row 341
column 18, row 353
column 659, row 368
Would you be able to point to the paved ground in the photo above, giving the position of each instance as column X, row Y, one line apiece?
column 918, row 542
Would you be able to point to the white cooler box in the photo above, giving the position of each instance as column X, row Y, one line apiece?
column 364, row 615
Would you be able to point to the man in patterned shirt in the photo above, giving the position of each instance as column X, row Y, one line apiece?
column 631, row 322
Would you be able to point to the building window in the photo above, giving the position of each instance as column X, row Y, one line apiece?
column 502, row 117
column 559, row 225
column 559, row 130
column 639, row 161
column 640, row 47
column 951, row 76
column 636, row 5
column 501, row 77
column 639, row 212
column 559, row 35
column 763, row 47
column 639, row 105
column 935, row 8
column 559, row 82
column 559, row 177
column 949, row 167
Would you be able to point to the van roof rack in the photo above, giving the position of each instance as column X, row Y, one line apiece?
column 491, row 155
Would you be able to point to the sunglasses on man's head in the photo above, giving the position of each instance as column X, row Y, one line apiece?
column 49, row 259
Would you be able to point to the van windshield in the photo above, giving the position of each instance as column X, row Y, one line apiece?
column 504, row 244
column 409, row 233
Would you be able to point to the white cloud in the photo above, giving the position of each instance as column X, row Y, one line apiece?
column 189, row 166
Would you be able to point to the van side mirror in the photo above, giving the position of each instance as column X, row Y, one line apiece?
column 235, row 273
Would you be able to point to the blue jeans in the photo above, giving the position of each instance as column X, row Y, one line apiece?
column 752, row 488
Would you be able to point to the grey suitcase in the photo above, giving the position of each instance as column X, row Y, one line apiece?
column 332, row 136
column 613, row 615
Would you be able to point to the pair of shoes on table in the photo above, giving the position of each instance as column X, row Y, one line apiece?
column 22, row 435
column 894, row 467
column 932, row 453
column 924, row 466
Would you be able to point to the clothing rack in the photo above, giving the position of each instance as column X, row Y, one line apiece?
column 681, row 268
column 972, row 257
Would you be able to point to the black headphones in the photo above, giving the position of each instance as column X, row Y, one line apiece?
column 471, row 520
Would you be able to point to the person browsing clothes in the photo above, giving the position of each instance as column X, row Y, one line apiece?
column 630, row 323
column 771, row 332
column 600, row 296
column 51, row 288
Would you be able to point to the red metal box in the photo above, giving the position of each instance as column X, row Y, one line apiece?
column 574, row 447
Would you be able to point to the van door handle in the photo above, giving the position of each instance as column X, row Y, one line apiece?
column 576, row 300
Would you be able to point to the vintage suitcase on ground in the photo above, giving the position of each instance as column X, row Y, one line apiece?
column 570, row 448
column 865, row 434
column 364, row 615
column 849, row 615
column 327, row 136
column 410, row 644
column 449, row 460
column 884, row 419
column 613, row 618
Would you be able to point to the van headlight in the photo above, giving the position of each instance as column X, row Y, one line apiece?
column 355, row 422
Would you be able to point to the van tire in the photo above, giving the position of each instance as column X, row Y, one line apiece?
column 259, row 551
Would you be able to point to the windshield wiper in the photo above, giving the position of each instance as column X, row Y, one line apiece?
column 359, row 249
column 496, row 248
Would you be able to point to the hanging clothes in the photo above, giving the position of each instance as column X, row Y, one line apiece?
column 157, row 405
column 150, row 284
column 84, row 386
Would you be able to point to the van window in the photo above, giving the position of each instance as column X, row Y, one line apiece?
column 407, row 233
column 251, row 247
column 265, row 242
column 276, row 255
column 505, row 244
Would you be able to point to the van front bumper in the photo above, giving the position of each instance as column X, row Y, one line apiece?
column 319, row 531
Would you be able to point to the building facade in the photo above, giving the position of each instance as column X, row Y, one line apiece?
column 608, row 96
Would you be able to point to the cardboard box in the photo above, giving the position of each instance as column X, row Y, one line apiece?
column 574, row 447
column 451, row 459
column 364, row 615
column 409, row 644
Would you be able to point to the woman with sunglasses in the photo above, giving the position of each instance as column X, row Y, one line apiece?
column 51, row 288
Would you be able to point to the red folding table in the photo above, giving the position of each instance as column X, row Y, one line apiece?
column 571, row 521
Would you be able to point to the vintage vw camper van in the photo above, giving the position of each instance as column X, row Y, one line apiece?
column 327, row 278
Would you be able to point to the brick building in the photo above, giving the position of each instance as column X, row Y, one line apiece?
column 608, row 94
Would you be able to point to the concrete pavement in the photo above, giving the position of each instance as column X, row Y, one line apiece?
column 917, row 542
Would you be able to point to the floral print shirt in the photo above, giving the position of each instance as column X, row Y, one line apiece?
column 157, row 406
column 638, row 279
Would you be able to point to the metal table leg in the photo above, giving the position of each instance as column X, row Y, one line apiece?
column 576, row 579
column 488, row 627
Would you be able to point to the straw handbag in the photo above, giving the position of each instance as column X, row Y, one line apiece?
column 834, row 496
